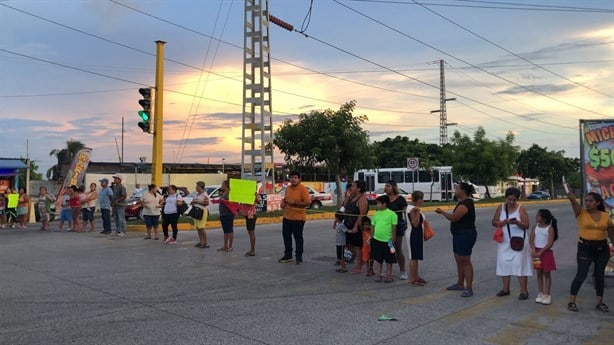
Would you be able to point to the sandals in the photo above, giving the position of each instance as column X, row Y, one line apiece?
column 378, row 279
column 601, row 307
column 341, row 270
column 250, row 254
column 421, row 281
column 572, row 306
column 467, row 293
column 416, row 283
column 357, row 271
column 455, row 287
column 503, row 293
column 388, row 279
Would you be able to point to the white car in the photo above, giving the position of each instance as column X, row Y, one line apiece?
column 214, row 199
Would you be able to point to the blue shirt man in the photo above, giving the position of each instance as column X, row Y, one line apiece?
column 104, row 200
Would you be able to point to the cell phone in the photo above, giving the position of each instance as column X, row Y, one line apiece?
column 512, row 218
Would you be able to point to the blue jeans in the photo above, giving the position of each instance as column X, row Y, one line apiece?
column 119, row 213
column 106, row 219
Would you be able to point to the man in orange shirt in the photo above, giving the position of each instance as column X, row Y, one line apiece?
column 295, row 202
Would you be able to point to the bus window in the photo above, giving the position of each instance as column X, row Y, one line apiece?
column 435, row 175
column 361, row 176
column 397, row 176
column 383, row 176
column 410, row 177
column 424, row 176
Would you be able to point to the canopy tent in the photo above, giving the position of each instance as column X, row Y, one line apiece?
column 11, row 167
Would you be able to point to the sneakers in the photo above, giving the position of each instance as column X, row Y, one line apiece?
column 540, row 298
column 285, row 259
column 547, row 299
column 299, row 261
column 403, row 276
column 171, row 241
column 121, row 234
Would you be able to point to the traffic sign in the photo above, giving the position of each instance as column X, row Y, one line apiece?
column 413, row 163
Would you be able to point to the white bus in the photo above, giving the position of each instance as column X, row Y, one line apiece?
column 436, row 183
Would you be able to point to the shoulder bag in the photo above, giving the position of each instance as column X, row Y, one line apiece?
column 516, row 242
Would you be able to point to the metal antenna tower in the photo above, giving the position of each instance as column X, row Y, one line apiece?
column 257, row 148
column 443, row 115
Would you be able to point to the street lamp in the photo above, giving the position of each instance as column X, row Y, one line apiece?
column 223, row 160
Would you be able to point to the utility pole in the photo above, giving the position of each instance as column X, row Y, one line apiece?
column 443, row 116
column 156, row 154
column 257, row 137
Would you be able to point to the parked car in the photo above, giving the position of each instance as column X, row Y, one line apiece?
column 318, row 199
column 214, row 198
column 540, row 194
column 371, row 196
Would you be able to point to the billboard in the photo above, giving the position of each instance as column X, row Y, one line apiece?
column 597, row 164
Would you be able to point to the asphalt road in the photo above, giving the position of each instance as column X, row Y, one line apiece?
column 69, row 288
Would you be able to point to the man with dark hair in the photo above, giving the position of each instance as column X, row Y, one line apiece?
column 294, row 203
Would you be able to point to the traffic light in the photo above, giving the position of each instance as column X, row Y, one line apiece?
column 145, row 114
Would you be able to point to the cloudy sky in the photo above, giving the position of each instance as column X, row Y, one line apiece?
column 71, row 69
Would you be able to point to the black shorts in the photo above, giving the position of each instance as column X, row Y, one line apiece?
column 354, row 239
column 463, row 241
column 416, row 244
column 250, row 223
column 380, row 252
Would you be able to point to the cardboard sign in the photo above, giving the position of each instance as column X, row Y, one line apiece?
column 242, row 191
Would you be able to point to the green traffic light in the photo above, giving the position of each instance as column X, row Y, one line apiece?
column 144, row 115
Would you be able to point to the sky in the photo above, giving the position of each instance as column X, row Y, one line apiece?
column 71, row 70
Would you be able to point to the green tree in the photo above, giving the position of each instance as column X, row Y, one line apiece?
column 393, row 153
column 483, row 161
column 34, row 174
column 71, row 149
column 331, row 138
column 548, row 166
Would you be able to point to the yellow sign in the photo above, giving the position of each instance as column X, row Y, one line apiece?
column 13, row 200
column 242, row 191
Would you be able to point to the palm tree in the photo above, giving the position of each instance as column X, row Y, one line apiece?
column 63, row 155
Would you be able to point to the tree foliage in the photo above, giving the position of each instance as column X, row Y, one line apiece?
column 393, row 153
column 483, row 161
column 34, row 174
column 71, row 149
column 331, row 138
column 548, row 166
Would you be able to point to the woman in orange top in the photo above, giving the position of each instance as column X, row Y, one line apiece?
column 594, row 225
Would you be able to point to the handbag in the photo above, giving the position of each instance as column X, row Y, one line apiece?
column 516, row 242
column 498, row 235
column 427, row 230
column 181, row 208
column 196, row 212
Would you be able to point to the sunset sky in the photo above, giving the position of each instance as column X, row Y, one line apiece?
column 71, row 69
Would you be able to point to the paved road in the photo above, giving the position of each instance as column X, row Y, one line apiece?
column 61, row 288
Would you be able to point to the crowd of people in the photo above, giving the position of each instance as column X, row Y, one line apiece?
column 521, row 249
column 373, row 241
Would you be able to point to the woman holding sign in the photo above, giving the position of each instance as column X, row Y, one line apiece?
column 249, row 211
column 227, row 218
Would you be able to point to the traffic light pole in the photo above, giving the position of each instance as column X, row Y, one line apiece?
column 156, row 155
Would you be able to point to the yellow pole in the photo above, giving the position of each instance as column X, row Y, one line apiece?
column 156, row 155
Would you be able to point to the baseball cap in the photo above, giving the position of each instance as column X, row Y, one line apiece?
column 104, row 180
column 118, row 176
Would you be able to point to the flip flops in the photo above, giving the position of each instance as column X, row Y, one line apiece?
column 416, row 283
column 602, row 307
column 250, row 254
column 572, row 306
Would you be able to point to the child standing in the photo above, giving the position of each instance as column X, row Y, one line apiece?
column 543, row 235
column 367, row 234
column 66, row 213
column 340, row 239
column 385, row 232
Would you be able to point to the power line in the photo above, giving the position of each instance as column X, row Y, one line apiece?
column 456, row 58
column 513, row 6
column 510, row 52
